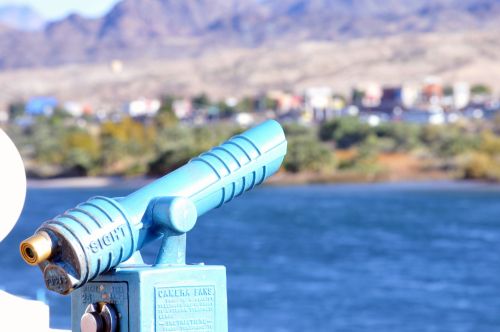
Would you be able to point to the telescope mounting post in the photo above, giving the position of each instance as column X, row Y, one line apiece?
column 186, row 297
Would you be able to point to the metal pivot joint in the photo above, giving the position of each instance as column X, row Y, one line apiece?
column 173, row 217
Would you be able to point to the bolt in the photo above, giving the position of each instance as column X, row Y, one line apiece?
column 99, row 318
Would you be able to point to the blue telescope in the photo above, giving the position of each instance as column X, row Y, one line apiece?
column 94, row 247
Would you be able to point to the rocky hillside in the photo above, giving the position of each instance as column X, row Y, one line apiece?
column 473, row 57
column 136, row 29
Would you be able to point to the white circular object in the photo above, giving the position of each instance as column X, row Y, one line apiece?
column 12, row 185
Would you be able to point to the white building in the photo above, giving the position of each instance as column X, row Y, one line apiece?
column 143, row 107
column 318, row 102
column 77, row 109
column 183, row 108
column 409, row 95
column 4, row 114
column 461, row 95
column 244, row 119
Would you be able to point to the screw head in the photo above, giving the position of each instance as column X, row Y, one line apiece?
column 92, row 322
column 99, row 317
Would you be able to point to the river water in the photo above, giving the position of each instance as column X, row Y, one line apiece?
column 386, row 257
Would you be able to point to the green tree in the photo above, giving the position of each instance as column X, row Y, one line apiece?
column 448, row 90
column 246, row 104
column 306, row 153
column 46, row 136
column 490, row 144
column 357, row 96
column 295, row 129
column 16, row 109
column 165, row 119
column 480, row 89
column 81, row 151
column 484, row 162
column 345, row 132
column 402, row 136
column 207, row 137
column 448, row 141
column 126, row 144
column 201, row 100
column 167, row 104
column 225, row 110
column 270, row 103
column 496, row 124
column 170, row 159
column 365, row 160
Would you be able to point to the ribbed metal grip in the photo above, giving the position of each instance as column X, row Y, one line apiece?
column 101, row 230
column 227, row 159
column 217, row 176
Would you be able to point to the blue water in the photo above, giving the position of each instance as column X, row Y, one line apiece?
column 327, row 258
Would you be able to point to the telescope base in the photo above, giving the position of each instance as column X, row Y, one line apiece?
column 185, row 298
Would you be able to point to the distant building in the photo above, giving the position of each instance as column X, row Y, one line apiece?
column 77, row 109
column 367, row 95
column 143, row 107
column 461, row 95
column 404, row 96
column 183, row 108
column 338, row 103
column 4, row 113
column 37, row 106
column 244, row 119
column 318, row 103
column 391, row 97
column 432, row 91
column 4, row 116
column 410, row 95
column 231, row 101
column 372, row 95
column 286, row 102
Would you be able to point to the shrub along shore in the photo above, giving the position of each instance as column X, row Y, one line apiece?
column 340, row 150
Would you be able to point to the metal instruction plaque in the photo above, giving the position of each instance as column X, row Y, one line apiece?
column 185, row 308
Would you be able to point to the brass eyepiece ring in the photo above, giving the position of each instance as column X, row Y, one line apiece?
column 36, row 249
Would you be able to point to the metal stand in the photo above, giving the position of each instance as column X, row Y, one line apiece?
column 167, row 296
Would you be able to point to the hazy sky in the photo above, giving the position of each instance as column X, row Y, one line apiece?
column 53, row 9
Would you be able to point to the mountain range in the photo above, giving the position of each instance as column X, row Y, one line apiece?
column 138, row 29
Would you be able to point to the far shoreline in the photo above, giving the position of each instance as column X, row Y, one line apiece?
column 277, row 180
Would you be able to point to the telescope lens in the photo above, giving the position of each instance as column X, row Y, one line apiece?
column 36, row 249
column 30, row 253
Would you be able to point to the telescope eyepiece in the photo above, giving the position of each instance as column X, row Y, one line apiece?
column 37, row 248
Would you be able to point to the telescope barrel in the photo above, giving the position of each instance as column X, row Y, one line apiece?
column 217, row 176
column 99, row 234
